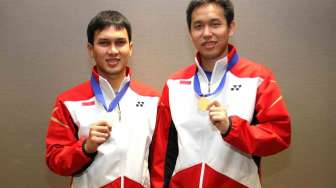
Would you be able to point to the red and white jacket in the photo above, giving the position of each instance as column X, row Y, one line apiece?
column 122, row 161
column 188, row 151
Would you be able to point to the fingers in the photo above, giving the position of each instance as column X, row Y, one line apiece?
column 99, row 137
column 214, row 103
column 218, row 116
column 100, row 131
column 215, row 108
column 98, row 134
column 102, row 125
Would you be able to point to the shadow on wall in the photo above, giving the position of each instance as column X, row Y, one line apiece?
column 276, row 165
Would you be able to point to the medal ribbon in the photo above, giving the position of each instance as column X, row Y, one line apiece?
column 99, row 94
column 197, row 86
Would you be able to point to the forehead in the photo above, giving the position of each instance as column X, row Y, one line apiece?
column 111, row 32
column 208, row 12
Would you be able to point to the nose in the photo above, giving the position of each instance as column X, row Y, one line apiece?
column 112, row 50
column 207, row 31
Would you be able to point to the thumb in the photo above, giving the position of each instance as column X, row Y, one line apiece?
column 213, row 103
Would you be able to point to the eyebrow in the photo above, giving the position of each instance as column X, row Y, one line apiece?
column 215, row 19
column 107, row 38
column 202, row 21
column 197, row 22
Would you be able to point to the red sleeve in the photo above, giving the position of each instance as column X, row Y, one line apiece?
column 160, row 142
column 64, row 154
column 271, row 133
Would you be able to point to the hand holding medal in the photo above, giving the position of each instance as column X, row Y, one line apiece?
column 218, row 116
column 217, row 113
column 99, row 132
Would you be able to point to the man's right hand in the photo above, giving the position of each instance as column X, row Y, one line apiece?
column 99, row 132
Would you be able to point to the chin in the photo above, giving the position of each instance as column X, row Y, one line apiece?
column 116, row 71
column 210, row 56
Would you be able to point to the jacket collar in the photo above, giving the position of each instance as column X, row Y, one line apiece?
column 219, row 68
column 107, row 90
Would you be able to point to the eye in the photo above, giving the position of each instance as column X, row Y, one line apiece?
column 120, row 42
column 216, row 24
column 103, row 42
column 197, row 26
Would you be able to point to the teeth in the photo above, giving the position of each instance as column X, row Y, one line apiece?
column 209, row 44
column 112, row 60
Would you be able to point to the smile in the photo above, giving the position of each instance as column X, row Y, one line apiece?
column 113, row 61
column 209, row 44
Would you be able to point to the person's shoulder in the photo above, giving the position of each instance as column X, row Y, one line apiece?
column 143, row 89
column 184, row 73
column 248, row 68
column 79, row 92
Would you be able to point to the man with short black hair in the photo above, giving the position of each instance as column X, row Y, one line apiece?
column 219, row 116
column 98, row 132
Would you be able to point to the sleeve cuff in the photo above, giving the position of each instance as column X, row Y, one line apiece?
column 229, row 129
column 90, row 155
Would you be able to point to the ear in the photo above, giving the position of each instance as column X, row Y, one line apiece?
column 233, row 27
column 131, row 48
column 90, row 49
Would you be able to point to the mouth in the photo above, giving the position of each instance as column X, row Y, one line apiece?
column 112, row 61
column 209, row 44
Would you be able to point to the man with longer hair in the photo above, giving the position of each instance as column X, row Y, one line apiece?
column 219, row 116
column 100, row 131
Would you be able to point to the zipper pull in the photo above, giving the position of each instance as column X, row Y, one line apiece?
column 209, row 87
column 119, row 112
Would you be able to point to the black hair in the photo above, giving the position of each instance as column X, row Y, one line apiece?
column 106, row 19
column 225, row 4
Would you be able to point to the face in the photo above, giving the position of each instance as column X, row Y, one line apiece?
column 111, row 51
column 210, row 31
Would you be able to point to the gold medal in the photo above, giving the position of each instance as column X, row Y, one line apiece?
column 203, row 103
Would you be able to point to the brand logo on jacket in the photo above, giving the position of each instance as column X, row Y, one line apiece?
column 236, row 87
column 140, row 104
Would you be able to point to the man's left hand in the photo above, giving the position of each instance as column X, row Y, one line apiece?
column 218, row 116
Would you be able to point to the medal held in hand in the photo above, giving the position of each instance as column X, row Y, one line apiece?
column 203, row 102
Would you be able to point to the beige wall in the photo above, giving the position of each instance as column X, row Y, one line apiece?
column 42, row 53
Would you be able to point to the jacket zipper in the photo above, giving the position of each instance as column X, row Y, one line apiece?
column 122, row 181
column 202, row 175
